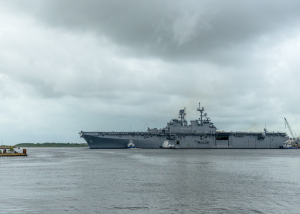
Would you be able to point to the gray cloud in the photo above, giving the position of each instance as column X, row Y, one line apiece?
column 109, row 65
column 173, row 30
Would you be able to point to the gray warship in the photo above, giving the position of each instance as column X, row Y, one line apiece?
column 200, row 134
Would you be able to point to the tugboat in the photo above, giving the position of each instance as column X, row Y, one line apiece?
column 130, row 145
column 288, row 145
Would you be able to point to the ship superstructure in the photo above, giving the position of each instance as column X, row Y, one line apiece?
column 200, row 134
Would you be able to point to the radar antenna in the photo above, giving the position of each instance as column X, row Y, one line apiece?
column 201, row 114
column 207, row 118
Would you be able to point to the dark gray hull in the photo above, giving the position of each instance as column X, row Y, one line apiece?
column 100, row 140
column 200, row 134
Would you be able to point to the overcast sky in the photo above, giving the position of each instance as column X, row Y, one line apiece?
column 69, row 65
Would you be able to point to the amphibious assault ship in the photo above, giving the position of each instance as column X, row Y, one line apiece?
column 200, row 134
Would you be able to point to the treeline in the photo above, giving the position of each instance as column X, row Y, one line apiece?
column 51, row 144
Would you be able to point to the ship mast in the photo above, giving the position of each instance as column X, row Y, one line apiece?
column 201, row 112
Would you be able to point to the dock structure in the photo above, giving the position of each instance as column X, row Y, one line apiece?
column 13, row 154
column 5, row 154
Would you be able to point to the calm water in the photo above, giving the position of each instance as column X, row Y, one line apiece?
column 79, row 180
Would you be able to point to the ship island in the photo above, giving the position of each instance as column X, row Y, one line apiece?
column 199, row 134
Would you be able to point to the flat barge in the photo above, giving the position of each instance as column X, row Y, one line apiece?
column 5, row 154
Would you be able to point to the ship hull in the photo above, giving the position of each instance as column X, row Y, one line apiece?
column 100, row 140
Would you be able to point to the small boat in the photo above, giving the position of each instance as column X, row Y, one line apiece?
column 167, row 145
column 287, row 145
column 130, row 145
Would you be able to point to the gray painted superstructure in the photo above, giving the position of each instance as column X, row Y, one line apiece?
column 200, row 134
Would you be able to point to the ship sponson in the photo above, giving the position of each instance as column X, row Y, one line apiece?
column 199, row 134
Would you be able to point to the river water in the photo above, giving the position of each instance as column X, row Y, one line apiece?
column 80, row 180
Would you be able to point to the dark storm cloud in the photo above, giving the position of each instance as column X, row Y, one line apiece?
column 173, row 30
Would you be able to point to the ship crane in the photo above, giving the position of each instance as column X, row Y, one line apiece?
column 292, row 134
